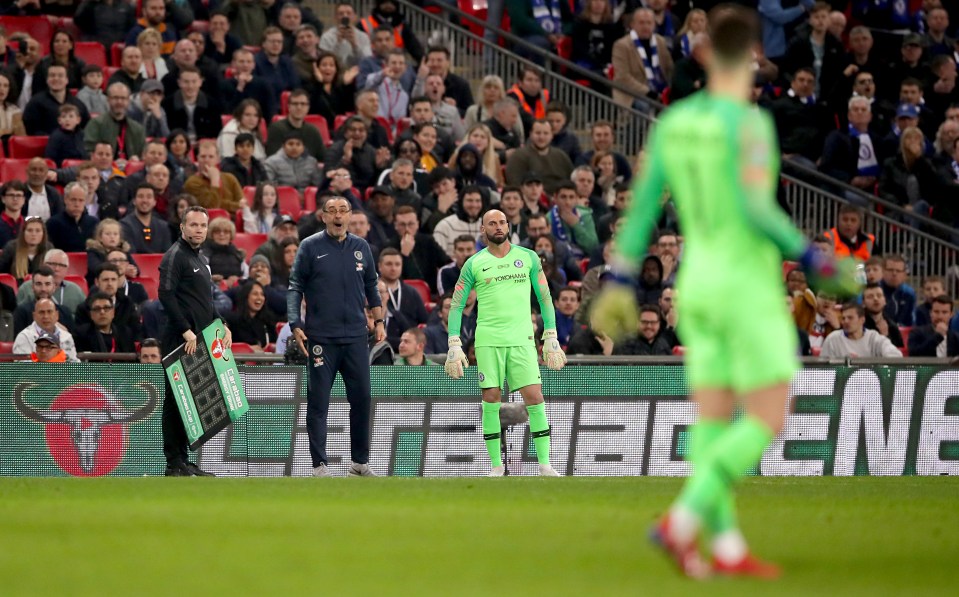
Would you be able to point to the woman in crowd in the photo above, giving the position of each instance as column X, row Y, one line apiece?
column 695, row 23
column 251, row 321
column 180, row 205
column 332, row 92
column 61, row 53
column 227, row 263
column 258, row 218
column 425, row 135
column 23, row 255
column 11, row 116
column 180, row 153
column 281, row 270
column 107, row 237
column 594, row 33
column 247, row 118
column 154, row 66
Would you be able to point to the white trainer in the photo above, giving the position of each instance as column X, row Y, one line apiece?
column 322, row 471
column 497, row 471
column 546, row 470
column 360, row 470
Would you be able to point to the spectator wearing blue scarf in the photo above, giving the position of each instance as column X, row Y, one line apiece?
column 543, row 23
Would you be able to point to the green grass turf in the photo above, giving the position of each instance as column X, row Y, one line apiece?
column 513, row 536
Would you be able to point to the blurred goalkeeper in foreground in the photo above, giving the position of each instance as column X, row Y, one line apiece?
column 718, row 157
column 502, row 274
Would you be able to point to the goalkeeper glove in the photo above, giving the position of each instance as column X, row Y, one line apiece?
column 844, row 278
column 615, row 313
column 553, row 353
column 456, row 360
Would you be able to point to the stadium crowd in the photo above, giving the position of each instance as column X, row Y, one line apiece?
column 258, row 111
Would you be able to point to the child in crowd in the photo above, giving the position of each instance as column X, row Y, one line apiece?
column 91, row 94
column 66, row 143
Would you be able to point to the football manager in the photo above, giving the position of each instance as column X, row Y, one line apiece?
column 335, row 273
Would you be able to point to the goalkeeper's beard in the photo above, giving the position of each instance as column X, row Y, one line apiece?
column 497, row 239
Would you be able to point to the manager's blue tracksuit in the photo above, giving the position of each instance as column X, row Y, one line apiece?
column 338, row 280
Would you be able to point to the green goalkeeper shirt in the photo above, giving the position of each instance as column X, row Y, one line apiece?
column 502, row 284
column 719, row 160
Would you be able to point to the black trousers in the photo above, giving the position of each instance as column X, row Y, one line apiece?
column 352, row 361
column 175, row 444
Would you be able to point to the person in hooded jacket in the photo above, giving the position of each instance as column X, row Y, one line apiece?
column 466, row 219
column 650, row 286
column 469, row 170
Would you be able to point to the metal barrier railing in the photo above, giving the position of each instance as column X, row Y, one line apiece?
column 814, row 208
column 815, row 211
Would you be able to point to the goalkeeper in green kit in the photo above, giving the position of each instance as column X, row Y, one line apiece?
column 718, row 156
column 502, row 275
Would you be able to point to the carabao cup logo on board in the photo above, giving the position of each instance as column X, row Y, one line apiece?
column 217, row 349
column 85, row 426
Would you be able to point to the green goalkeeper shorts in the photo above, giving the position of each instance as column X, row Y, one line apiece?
column 746, row 342
column 517, row 364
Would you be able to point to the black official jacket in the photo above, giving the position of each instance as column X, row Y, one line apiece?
column 337, row 279
column 186, row 293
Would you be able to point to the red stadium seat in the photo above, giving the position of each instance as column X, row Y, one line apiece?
column 389, row 129
column 242, row 348
column 107, row 73
column 421, row 287
column 91, row 52
column 225, row 119
column 116, row 52
column 78, row 264
column 402, row 125
column 904, row 331
column 289, row 200
column 249, row 242
column 25, row 147
column 80, row 281
column 11, row 169
column 478, row 9
column 309, row 199
column 149, row 264
column 40, row 28
column 339, row 120
column 788, row 266
column 10, row 281
column 218, row 213
column 134, row 167
column 679, row 350
column 151, row 285
column 249, row 192
column 201, row 26
column 284, row 103
column 6, row 347
column 71, row 163
column 321, row 125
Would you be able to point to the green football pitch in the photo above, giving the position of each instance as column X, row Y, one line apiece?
column 411, row 537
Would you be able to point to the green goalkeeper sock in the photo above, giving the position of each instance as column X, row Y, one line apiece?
column 491, row 432
column 738, row 448
column 539, row 429
column 702, row 437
